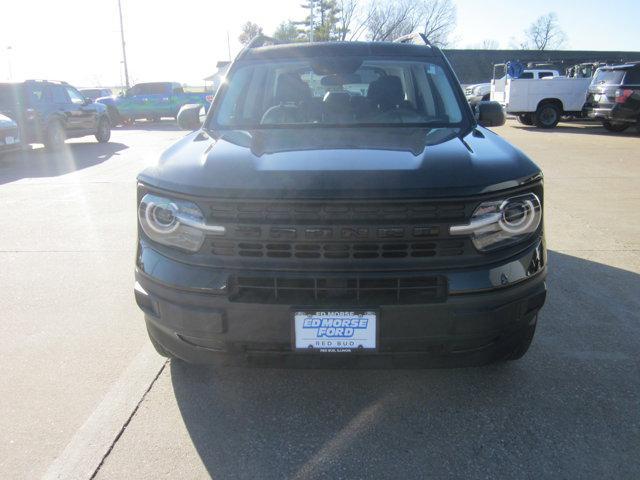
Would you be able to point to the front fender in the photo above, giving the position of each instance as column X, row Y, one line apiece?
column 108, row 101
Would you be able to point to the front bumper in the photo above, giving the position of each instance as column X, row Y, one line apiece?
column 189, row 312
column 12, row 136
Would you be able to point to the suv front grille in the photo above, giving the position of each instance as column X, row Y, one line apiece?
column 337, row 291
column 333, row 230
column 333, row 212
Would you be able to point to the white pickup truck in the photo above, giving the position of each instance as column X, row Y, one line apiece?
column 541, row 99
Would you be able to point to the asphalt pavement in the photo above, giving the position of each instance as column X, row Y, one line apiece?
column 84, row 396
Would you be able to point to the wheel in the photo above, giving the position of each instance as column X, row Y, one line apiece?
column 55, row 136
column 525, row 119
column 615, row 127
column 103, row 133
column 523, row 344
column 547, row 115
column 159, row 348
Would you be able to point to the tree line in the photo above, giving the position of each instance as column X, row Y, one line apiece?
column 386, row 20
column 375, row 20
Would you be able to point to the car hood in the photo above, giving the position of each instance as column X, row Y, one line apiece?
column 6, row 122
column 341, row 162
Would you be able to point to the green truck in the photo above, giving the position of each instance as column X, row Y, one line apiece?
column 151, row 101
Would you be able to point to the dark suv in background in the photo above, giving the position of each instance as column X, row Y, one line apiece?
column 614, row 97
column 95, row 93
column 49, row 112
column 342, row 205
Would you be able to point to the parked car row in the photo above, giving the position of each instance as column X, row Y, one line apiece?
column 611, row 96
column 49, row 112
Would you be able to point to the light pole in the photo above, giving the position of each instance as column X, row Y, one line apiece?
column 124, row 51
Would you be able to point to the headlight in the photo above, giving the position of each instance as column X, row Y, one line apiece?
column 176, row 223
column 499, row 223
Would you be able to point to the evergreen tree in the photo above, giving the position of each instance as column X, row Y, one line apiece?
column 326, row 17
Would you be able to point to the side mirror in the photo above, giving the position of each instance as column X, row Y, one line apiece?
column 490, row 114
column 88, row 101
column 122, row 93
column 191, row 116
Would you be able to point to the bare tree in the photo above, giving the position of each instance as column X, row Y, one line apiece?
column 437, row 20
column 249, row 30
column 349, row 11
column 545, row 33
column 389, row 19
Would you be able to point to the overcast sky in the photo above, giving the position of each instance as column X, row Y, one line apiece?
column 79, row 40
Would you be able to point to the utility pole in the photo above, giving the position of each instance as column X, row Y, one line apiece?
column 228, row 46
column 9, row 52
column 311, row 27
column 124, row 51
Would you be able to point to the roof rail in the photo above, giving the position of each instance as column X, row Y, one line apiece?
column 261, row 41
column 414, row 38
column 58, row 82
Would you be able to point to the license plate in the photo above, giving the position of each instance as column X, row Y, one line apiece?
column 9, row 140
column 335, row 331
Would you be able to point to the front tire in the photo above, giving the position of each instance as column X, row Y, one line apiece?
column 163, row 352
column 615, row 127
column 547, row 116
column 523, row 343
column 55, row 136
column 103, row 133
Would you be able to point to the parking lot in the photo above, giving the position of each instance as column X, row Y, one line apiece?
column 84, row 395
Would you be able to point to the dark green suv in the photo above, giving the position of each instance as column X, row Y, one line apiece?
column 342, row 205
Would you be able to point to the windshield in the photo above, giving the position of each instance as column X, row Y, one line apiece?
column 91, row 93
column 342, row 91
column 150, row 89
column 608, row 77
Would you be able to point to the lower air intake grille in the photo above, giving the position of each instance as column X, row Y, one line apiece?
column 339, row 290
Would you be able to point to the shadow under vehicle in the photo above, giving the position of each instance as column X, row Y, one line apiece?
column 538, row 413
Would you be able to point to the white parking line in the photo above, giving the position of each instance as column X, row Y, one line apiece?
column 93, row 441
